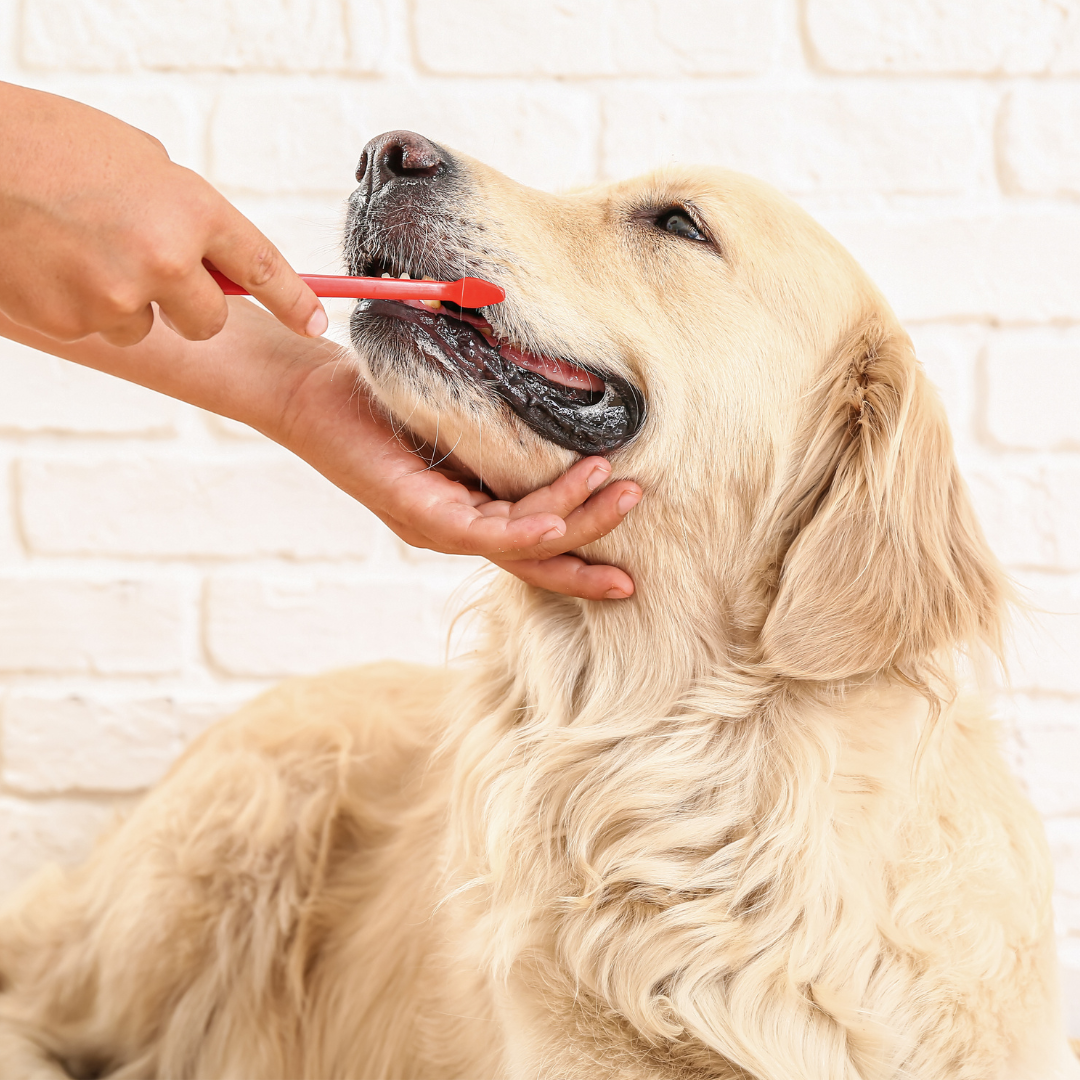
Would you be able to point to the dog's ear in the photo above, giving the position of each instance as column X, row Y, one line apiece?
column 881, row 560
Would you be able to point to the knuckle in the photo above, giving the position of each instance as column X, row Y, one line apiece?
column 126, row 334
column 68, row 329
column 65, row 324
column 264, row 265
column 158, row 145
column 171, row 266
column 203, row 330
column 123, row 299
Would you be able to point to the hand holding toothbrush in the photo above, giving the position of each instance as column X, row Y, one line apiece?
column 96, row 223
column 98, row 227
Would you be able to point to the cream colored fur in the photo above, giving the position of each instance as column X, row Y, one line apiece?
column 744, row 825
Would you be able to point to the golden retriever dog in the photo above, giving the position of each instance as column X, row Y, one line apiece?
column 745, row 824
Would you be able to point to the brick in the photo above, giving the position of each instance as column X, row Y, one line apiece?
column 308, row 232
column 9, row 27
column 370, row 38
column 294, row 139
column 1031, row 514
column 949, row 355
column 453, row 566
column 1032, row 384
column 63, row 831
column 1015, row 266
column 595, row 37
column 12, row 551
column 76, row 743
column 985, row 37
column 1047, row 736
column 274, row 627
column 1069, row 959
column 893, row 139
column 233, row 429
column 1045, row 638
column 1064, row 837
column 531, row 37
column 693, row 37
column 1040, row 151
column 42, row 393
column 63, row 625
column 169, row 507
column 197, row 35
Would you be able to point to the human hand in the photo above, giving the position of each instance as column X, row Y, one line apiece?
column 306, row 398
column 530, row 538
column 96, row 222
column 336, row 429
column 302, row 393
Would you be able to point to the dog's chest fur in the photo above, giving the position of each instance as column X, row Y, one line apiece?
column 725, row 889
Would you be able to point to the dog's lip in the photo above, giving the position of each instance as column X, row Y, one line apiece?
column 581, row 420
column 562, row 401
column 560, row 372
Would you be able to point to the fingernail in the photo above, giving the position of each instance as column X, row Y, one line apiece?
column 552, row 534
column 615, row 594
column 317, row 324
column 597, row 476
column 627, row 501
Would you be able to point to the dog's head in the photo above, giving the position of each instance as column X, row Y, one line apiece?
column 719, row 347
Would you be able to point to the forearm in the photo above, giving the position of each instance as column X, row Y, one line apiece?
column 246, row 372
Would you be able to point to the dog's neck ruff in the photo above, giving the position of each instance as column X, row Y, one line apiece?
column 675, row 858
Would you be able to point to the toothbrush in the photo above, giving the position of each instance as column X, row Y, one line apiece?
column 468, row 292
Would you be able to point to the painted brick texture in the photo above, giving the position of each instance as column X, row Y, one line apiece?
column 158, row 565
column 168, row 507
column 956, row 37
column 204, row 35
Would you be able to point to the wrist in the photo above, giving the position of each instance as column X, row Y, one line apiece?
column 273, row 392
column 251, row 371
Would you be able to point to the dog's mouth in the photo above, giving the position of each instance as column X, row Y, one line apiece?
column 563, row 401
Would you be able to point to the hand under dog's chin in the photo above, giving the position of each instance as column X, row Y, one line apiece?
column 502, row 468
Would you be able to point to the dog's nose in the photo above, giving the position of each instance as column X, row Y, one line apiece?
column 397, row 154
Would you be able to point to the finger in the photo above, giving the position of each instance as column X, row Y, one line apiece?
column 157, row 143
column 132, row 330
column 195, row 307
column 242, row 253
column 457, row 520
column 571, row 576
column 471, row 534
column 597, row 517
column 494, row 535
column 568, row 492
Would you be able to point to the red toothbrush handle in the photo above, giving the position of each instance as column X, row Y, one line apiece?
column 468, row 291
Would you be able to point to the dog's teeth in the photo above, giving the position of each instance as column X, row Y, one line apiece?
column 405, row 276
column 433, row 304
column 427, row 277
column 385, row 274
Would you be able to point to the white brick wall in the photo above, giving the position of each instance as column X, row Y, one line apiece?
column 158, row 565
column 264, row 503
column 956, row 37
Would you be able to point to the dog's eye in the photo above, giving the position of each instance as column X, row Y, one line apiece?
column 679, row 222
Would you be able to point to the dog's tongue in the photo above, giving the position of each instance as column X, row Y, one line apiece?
column 556, row 371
